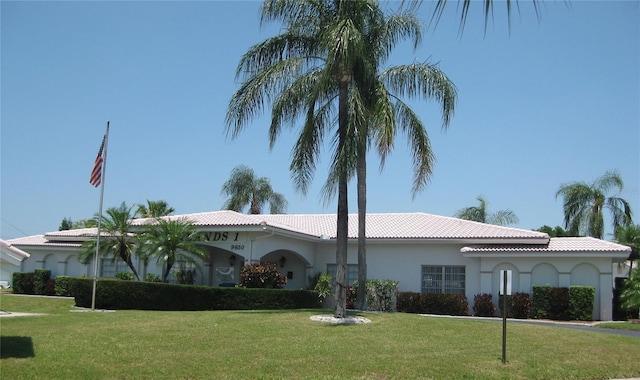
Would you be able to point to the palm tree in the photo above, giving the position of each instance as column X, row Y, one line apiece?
column 584, row 205
column 480, row 214
column 171, row 241
column 118, row 241
column 243, row 187
column 323, row 70
column 487, row 6
column 630, row 236
column 154, row 209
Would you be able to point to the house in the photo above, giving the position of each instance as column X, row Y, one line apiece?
column 10, row 261
column 423, row 252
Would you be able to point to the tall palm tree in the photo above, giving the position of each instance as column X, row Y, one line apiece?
column 323, row 70
column 171, row 241
column 154, row 209
column 487, row 7
column 244, row 188
column 481, row 214
column 118, row 241
column 584, row 205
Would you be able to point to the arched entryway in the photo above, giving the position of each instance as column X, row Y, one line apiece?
column 291, row 265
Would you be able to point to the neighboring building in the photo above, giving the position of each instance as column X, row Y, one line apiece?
column 423, row 252
column 10, row 261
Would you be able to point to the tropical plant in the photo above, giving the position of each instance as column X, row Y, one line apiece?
column 584, row 205
column 630, row 236
column 116, row 239
column 480, row 214
column 324, row 70
column 323, row 286
column 154, row 209
column 171, row 241
column 630, row 296
column 487, row 6
column 244, row 188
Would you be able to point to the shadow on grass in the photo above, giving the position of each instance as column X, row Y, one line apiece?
column 16, row 347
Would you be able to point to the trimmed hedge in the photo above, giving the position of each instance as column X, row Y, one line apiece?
column 23, row 283
column 40, row 278
column 581, row 301
column 139, row 295
column 575, row 302
column 432, row 303
column 63, row 286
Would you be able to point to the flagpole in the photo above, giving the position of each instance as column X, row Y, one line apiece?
column 97, row 252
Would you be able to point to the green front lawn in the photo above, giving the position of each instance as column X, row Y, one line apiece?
column 288, row 345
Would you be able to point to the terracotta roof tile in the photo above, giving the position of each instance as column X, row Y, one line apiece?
column 561, row 244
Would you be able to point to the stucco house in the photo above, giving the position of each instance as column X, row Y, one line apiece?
column 423, row 252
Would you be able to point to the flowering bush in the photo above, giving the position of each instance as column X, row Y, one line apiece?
column 262, row 276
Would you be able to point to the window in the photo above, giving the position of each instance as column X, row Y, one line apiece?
column 109, row 267
column 443, row 279
column 352, row 273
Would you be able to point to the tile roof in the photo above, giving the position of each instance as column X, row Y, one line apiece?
column 559, row 244
column 41, row 240
column 379, row 226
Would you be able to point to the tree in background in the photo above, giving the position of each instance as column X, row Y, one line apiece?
column 66, row 224
column 117, row 241
column 244, row 188
column 171, row 242
column 84, row 223
column 154, row 209
column 584, row 205
column 630, row 236
column 554, row 232
column 480, row 214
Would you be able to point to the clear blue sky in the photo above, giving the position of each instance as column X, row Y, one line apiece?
column 549, row 102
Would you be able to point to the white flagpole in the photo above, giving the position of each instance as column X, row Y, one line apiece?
column 97, row 253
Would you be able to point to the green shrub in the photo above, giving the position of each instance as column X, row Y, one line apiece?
column 63, row 286
column 581, row 301
column 151, row 277
column 323, row 286
column 381, row 294
column 127, row 276
column 142, row 295
column 483, row 306
column 540, row 303
column 41, row 276
column 23, row 283
column 559, row 304
column 17, row 279
column 262, row 276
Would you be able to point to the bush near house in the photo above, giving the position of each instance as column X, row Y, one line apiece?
column 40, row 278
column 381, row 294
column 23, row 283
column 483, row 306
column 432, row 303
column 518, row 305
column 575, row 302
column 581, row 300
column 142, row 295
column 262, row 276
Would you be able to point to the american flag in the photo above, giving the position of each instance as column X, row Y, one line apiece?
column 96, row 173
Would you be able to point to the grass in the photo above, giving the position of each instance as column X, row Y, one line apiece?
column 620, row 325
column 132, row 344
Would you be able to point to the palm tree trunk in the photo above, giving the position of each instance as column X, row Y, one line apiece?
column 362, row 216
column 343, row 209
